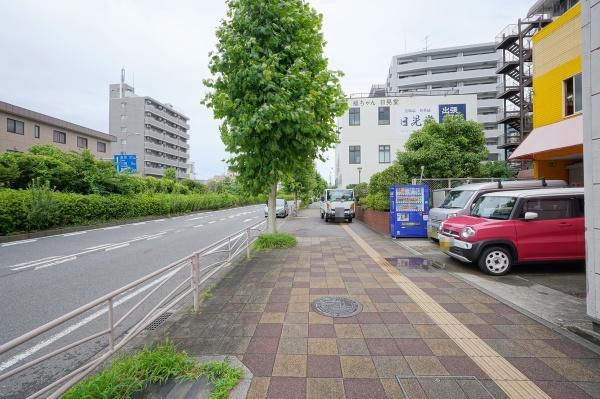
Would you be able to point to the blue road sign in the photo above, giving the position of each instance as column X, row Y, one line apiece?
column 126, row 163
column 452, row 109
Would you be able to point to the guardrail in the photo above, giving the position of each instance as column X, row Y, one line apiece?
column 202, row 264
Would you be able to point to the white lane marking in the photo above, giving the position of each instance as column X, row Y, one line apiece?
column 36, row 348
column 101, row 246
column 159, row 220
column 77, row 233
column 8, row 244
column 247, row 220
column 212, row 221
column 231, row 217
column 198, row 225
column 57, row 262
column 117, row 247
column 222, row 219
column 196, row 218
column 24, row 265
column 138, row 223
column 111, row 228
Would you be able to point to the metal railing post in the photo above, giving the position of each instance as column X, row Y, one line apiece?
column 195, row 278
column 248, row 243
column 111, row 333
column 229, row 248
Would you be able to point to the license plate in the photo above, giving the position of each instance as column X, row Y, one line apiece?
column 445, row 242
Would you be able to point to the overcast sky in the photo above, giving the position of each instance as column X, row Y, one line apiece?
column 59, row 56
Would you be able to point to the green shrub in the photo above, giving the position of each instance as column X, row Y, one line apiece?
column 275, row 240
column 131, row 374
column 382, row 181
column 42, row 208
column 377, row 201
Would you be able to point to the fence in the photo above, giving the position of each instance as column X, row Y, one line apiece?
column 201, row 265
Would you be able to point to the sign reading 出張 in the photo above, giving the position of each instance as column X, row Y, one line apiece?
column 452, row 109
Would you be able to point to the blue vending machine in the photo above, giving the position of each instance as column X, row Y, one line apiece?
column 409, row 210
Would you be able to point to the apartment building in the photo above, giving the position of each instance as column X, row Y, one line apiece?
column 154, row 131
column 467, row 69
column 21, row 128
column 375, row 127
column 555, row 145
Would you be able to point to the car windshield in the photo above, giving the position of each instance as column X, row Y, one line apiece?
column 494, row 207
column 340, row 195
column 280, row 202
column 457, row 199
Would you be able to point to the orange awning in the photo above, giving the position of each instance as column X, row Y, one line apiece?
column 563, row 134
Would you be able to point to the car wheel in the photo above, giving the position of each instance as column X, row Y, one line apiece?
column 349, row 220
column 496, row 261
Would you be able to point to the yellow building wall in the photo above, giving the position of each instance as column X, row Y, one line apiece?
column 557, row 54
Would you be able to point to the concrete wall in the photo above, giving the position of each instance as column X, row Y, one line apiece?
column 591, row 147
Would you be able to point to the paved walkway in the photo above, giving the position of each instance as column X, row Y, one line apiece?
column 422, row 332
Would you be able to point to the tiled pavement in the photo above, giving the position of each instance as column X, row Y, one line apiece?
column 261, row 313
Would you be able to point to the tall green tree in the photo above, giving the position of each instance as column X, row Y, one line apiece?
column 273, row 91
column 453, row 148
column 301, row 184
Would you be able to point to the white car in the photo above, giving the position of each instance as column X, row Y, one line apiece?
column 338, row 204
column 282, row 208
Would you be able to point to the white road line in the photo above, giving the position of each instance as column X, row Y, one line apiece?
column 36, row 348
column 100, row 246
column 57, row 262
column 212, row 221
column 25, row 265
column 111, row 228
column 8, row 244
column 222, row 219
column 231, row 217
column 138, row 223
column 196, row 218
column 198, row 225
column 117, row 247
column 159, row 220
column 247, row 220
column 74, row 234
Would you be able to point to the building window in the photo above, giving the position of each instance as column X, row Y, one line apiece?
column 101, row 147
column 82, row 142
column 384, row 115
column 36, row 131
column 572, row 90
column 491, row 141
column 384, row 154
column 59, row 137
column 492, row 157
column 354, row 115
column 123, row 130
column 14, row 126
column 355, row 154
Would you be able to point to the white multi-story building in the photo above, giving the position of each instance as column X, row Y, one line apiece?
column 152, row 130
column 467, row 69
column 375, row 128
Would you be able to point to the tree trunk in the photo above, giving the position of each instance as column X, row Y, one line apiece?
column 296, row 203
column 272, row 217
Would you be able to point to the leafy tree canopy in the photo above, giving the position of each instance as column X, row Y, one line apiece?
column 495, row 169
column 453, row 148
column 272, row 89
column 381, row 182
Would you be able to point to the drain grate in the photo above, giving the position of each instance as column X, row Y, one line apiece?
column 415, row 263
column 337, row 306
column 442, row 387
column 158, row 321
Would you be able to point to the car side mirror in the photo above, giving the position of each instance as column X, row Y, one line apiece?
column 530, row 216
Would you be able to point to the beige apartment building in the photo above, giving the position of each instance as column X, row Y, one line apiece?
column 21, row 128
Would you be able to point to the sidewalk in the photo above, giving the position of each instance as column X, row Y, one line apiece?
column 422, row 333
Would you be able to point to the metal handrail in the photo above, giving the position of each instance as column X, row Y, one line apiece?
column 235, row 244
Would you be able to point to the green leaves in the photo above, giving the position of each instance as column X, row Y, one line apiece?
column 272, row 90
column 453, row 148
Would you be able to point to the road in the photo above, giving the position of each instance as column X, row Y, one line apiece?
column 42, row 279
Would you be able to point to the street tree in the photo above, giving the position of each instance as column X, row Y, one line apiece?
column 301, row 184
column 273, row 92
column 452, row 148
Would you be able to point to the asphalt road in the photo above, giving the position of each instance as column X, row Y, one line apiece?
column 42, row 279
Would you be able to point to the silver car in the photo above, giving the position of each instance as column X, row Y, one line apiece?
column 282, row 208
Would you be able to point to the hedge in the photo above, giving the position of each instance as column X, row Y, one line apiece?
column 68, row 209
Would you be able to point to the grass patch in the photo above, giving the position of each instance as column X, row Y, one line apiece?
column 275, row 240
column 207, row 293
column 132, row 373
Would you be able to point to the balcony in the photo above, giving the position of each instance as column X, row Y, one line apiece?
column 148, row 170
column 504, row 90
column 508, row 115
column 162, row 113
column 165, row 137
column 165, row 126
column 163, row 160
column 166, row 149
column 507, row 37
column 510, row 140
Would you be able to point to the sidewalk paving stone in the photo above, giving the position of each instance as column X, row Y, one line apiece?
column 261, row 312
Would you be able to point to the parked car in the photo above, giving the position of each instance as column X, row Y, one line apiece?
column 282, row 208
column 337, row 204
column 510, row 227
column 460, row 199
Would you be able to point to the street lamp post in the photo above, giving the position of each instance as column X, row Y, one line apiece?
column 359, row 170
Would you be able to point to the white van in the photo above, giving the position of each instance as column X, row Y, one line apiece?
column 337, row 204
column 459, row 199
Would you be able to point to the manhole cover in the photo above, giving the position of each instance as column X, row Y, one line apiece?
column 337, row 306
column 442, row 387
